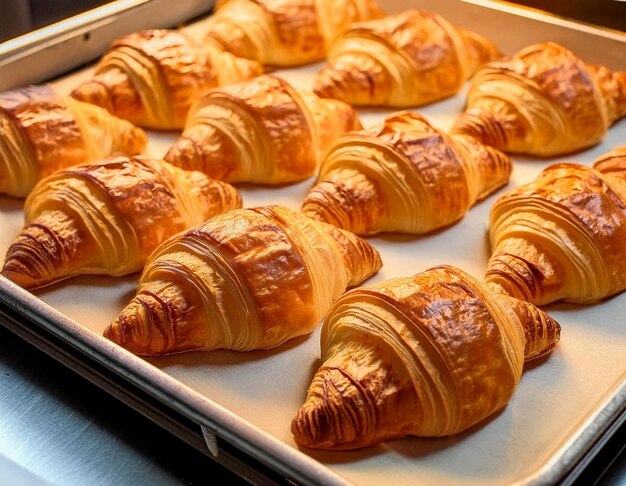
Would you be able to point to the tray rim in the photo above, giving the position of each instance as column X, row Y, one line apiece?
column 544, row 16
column 41, row 54
column 562, row 466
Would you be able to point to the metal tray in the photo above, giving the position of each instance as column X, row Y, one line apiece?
column 242, row 403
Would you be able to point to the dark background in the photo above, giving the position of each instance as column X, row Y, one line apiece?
column 21, row 16
column 607, row 13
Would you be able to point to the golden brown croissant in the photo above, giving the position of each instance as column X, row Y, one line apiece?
column 430, row 355
column 562, row 236
column 404, row 176
column 41, row 132
column 408, row 59
column 284, row 32
column 247, row 279
column 543, row 101
column 262, row 130
column 153, row 77
column 106, row 218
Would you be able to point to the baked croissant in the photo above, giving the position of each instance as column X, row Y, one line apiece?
column 562, row 236
column 404, row 176
column 543, row 101
column 262, row 131
column 248, row 279
column 284, row 32
column 153, row 77
column 41, row 132
column 106, row 218
column 430, row 355
column 408, row 59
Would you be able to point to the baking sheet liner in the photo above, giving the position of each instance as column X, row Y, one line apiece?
column 561, row 405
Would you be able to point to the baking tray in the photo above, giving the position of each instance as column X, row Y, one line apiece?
column 564, row 408
column 39, row 55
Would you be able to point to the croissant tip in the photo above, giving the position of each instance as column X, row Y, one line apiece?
column 483, row 127
column 20, row 276
column 140, row 139
column 128, row 330
column 183, row 154
column 307, row 425
column 542, row 332
column 26, row 273
column 336, row 84
column 347, row 199
column 112, row 332
column 335, row 414
column 324, row 90
column 314, row 425
column 95, row 93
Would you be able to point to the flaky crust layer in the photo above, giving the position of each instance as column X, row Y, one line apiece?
column 562, row 236
column 284, row 32
column 153, row 77
column 409, row 59
column 41, row 132
column 404, row 176
column 543, row 101
column 107, row 217
column 248, row 279
column 262, row 131
column 429, row 355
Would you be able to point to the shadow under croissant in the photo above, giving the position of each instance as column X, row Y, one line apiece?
column 225, row 357
column 261, row 188
column 85, row 282
column 391, row 236
column 118, row 291
column 540, row 361
column 11, row 204
column 411, row 447
column 566, row 307
column 408, row 239
column 576, row 315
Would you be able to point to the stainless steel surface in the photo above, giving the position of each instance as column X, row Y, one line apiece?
column 17, row 475
column 247, row 400
column 57, row 48
column 56, row 428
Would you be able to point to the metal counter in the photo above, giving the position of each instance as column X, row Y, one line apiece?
column 57, row 428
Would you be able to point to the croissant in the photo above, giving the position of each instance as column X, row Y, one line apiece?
column 153, row 77
column 403, row 176
column 106, row 218
column 247, row 279
column 543, row 101
column 262, row 131
column 562, row 236
column 430, row 355
column 41, row 132
column 408, row 59
column 284, row 32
